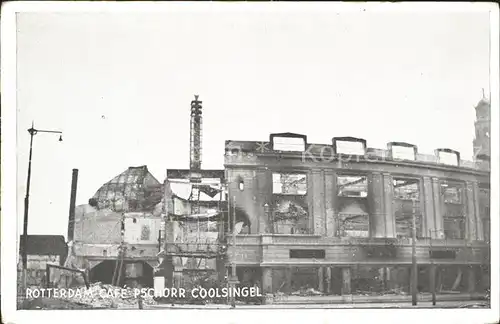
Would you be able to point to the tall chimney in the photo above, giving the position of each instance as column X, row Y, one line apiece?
column 72, row 203
column 195, row 135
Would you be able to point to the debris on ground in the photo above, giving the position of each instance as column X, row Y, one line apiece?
column 395, row 291
column 307, row 292
column 102, row 296
column 98, row 295
column 52, row 303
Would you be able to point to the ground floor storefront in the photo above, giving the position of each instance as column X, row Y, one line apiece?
column 363, row 279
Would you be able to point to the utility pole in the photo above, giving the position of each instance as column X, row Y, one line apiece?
column 24, row 245
column 159, row 241
column 414, row 270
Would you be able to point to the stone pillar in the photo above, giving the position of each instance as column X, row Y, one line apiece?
column 477, row 212
column 376, row 203
column 318, row 201
column 410, row 277
column 288, row 279
column 220, row 266
column 386, row 277
column 328, row 280
column 178, row 277
column 321, row 279
column 267, row 280
column 438, row 213
column 427, row 198
column 168, row 271
column 390, row 220
column 346, row 281
column 263, row 194
column 331, row 203
column 432, row 281
column 471, row 279
column 470, row 216
column 310, row 201
column 439, row 276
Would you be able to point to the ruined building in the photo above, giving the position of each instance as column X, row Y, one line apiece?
column 338, row 218
column 135, row 228
column 195, row 216
column 116, row 237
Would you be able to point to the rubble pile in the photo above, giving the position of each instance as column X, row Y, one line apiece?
column 50, row 303
column 395, row 291
column 100, row 295
column 307, row 292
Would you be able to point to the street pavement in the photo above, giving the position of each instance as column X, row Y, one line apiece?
column 405, row 305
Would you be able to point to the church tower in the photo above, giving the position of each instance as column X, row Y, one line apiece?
column 481, row 141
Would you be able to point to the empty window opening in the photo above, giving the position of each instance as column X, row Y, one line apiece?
column 289, row 214
column 452, row 278
column 406, row 201
column 304, row 279
column 403, row 152
column 453, row 206
column 290, row 217
column 289, row 184
column 352, row 186
column 292, row 144
column 350, row 147
column 448, row 158
column 353, row 217
column 484, row 211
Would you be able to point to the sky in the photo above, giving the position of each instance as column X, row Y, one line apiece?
column 119, row 86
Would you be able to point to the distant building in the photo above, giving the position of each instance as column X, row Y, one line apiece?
column 42, row 250
column 483, row 130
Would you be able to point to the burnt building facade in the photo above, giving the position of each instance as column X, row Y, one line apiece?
column 338, row 218
column 195, row 210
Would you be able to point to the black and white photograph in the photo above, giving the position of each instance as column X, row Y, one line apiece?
column 242, row 158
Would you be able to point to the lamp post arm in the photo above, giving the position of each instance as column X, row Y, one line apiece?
column 47, row 131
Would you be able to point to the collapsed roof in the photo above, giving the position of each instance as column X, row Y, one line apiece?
column 135, row 189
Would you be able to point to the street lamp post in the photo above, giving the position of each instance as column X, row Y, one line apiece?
column 24, row 250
